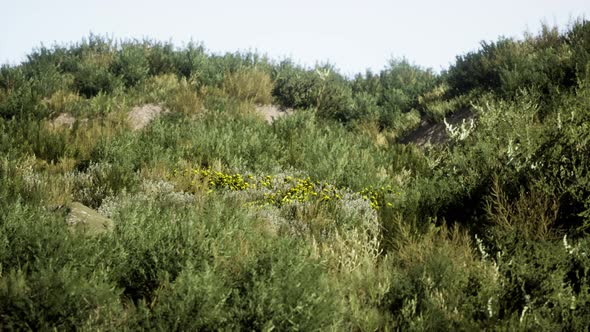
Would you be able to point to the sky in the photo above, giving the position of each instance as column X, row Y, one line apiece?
column 352, row 35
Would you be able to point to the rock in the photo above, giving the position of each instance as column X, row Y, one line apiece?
column 86, row 220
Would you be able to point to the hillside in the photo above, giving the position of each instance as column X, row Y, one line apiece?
column 144, row 186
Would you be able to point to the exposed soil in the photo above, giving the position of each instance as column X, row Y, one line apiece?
column 63, row 120
column 435, row 132
column 141, row 116
column 272, row 112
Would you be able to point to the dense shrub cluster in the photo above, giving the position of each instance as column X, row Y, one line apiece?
column 320, row 220
column 548, row 62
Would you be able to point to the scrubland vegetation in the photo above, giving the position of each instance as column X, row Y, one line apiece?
column 321, row 220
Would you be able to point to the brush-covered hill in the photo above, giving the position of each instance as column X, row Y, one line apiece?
column 142, row 187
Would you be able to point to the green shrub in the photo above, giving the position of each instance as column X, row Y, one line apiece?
column 365, row 108
column 197, row 299
column 58, row 299
column 131, row 64
column 161, row 58
column 93, row 75
column 541, row 62
column 577, row 38
column 321, row 89
column 401, row 85
column 329, row 152
column 438, row 283
column 18, row 96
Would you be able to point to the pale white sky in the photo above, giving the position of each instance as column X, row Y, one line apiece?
column 353, row 35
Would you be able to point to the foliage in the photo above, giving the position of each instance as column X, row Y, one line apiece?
column 321, row 88
column 320, row 220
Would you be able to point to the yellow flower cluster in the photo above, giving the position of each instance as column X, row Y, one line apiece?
column 282, row 190
column 377, row 196
column 221, row 180
column 302, row 190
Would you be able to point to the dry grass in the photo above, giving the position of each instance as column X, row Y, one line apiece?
column 249, row 84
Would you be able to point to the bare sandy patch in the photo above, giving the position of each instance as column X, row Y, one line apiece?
column 63, row 120
column 272, row 112
column 140, row 116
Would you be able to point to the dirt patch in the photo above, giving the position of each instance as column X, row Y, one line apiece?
column 141, row 116
column 436, row 133
column 272, row 112
column 63, row 120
